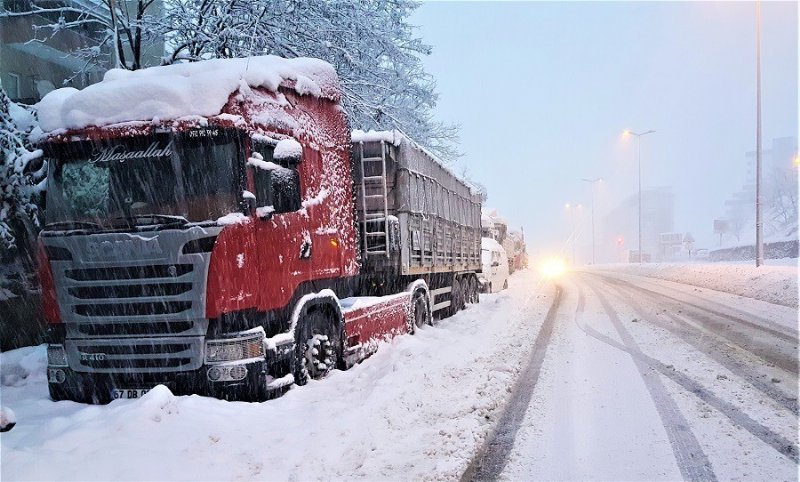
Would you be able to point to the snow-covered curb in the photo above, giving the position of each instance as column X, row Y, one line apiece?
column 416, row 410
column 774, row 284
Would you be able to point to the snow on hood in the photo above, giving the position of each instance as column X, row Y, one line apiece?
column 175, row 91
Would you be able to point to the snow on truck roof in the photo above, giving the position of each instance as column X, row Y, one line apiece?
column 180, row 90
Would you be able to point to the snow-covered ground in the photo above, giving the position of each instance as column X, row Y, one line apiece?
column 775, row 283
column 417, row 409
column 635, row 386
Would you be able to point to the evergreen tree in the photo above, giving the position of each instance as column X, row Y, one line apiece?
column 22, row 177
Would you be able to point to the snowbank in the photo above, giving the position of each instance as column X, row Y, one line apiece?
column 416, row 410
column 180, row 90
column 774, row 284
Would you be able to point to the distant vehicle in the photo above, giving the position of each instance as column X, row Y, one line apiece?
column 237, row 238
column 701, row 254
column 494, row 277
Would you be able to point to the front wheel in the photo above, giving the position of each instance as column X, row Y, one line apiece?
column 318, row 347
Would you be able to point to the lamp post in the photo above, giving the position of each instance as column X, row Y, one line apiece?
column 593, row 182
column 759, row 227
column 573, row 237
column 639, row 161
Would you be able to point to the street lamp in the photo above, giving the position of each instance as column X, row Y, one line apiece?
column 639, row 156
column 759, row 228
column 593, row 182
column 573, row 237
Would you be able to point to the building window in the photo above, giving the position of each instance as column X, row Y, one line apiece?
column 11, row 85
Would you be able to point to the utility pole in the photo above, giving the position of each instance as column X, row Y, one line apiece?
column 759, row 221
column 593, row 182
column 639, row 157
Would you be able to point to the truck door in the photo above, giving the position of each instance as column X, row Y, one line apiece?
column 282, row 242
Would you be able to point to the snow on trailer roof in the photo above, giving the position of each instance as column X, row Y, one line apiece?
column 180, row 90
column 395, row 138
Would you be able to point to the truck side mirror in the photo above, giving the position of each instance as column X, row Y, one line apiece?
column 288, row 152
column 249, row 204
column 285, row 190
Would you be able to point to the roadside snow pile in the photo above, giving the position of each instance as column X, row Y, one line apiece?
column 416, row 410
column 17, row 367
column 774, row 284
column 175, row 91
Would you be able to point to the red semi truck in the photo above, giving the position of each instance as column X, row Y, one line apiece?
column 214, row 227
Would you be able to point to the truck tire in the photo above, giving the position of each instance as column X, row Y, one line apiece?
column 472, row 290
column 457, row 296
column 420, row 311
column 318, row 346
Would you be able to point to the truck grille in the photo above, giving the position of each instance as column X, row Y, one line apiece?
column 134, row 309
column 129, row 272
column 124, row 329
column 142, row 355
column 130, row 291
column 148, row 300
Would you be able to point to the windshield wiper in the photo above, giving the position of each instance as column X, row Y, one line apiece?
column 153, row 220
column 68, row 225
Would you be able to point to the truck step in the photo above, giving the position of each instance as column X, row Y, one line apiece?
column 375, row 196
column 376, row 234
column 371, row 159
column 373, row 178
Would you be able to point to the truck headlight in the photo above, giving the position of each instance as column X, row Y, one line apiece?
column 235, row 349
column 56, row 356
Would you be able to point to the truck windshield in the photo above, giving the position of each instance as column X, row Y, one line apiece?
column 158, row 178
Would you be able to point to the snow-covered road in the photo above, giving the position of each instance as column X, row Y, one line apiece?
column 417, row 409
column 651, row 380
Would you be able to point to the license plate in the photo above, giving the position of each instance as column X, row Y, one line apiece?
column 128, row 393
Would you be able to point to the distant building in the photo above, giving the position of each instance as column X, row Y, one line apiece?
column 621, row 227
column 740, row 208
column 31, row 68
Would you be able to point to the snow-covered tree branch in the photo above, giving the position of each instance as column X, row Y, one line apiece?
column 22, row 174
column 371, row 44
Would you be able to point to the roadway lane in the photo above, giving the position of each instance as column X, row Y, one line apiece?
column 652, row 380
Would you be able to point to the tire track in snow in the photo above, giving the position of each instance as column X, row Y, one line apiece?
column 781, row 444
column 719, row 322
column 765, row 325
column 711, row 346
column 689, row 455
column 492, row 457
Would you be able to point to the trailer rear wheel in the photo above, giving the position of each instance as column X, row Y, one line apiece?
column 421, row 312
column 472, row 290
column 457, row 295
column 318, row 345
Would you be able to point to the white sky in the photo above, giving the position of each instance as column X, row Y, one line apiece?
column 543, row 91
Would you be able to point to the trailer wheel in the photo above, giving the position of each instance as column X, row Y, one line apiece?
column 318, row 345
column 457, row 295
column 421, row 311
column 472, row 290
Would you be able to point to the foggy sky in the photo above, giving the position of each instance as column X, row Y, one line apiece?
column 544, row 90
